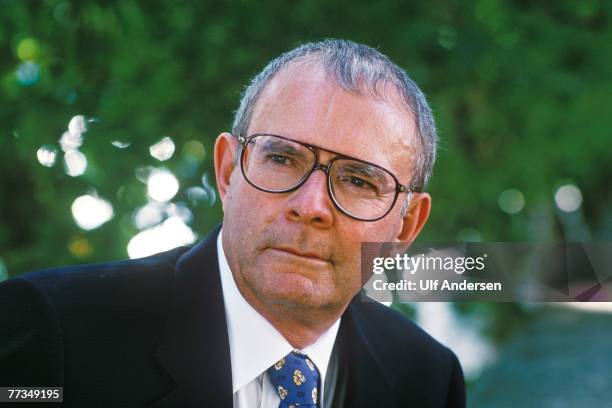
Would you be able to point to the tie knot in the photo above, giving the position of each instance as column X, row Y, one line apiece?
column 296, row 380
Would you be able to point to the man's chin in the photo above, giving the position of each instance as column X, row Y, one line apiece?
column 295, row 291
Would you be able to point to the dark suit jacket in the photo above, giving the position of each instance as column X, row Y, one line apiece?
column 152, row 332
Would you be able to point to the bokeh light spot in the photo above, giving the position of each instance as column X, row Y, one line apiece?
column 120, row 144
column 28, row 49
column 75, row 163
column 170, row 234
column 162, row 150
column 80, row 247
column 27, row 73
column 568, row 198
column 70, row 141
column 179, row 210
column 46, row 155
column 511, row 201
column 162, row 185
column 77, row 125
column 90, row 211
column 194, row 150
column 148, row 216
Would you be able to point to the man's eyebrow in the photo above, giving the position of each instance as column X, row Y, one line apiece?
column 365, row 169
column 276, row 146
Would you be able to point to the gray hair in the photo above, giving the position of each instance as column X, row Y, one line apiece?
column 359, row 69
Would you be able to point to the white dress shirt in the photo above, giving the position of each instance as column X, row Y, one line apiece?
column 255, row 345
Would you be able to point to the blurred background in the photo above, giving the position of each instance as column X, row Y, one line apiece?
column 109, row 111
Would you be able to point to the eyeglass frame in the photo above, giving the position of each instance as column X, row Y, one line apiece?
column 399, row 188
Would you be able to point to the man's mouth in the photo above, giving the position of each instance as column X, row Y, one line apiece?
column 300, row 253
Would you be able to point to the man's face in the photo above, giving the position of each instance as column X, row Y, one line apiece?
column 296, row 248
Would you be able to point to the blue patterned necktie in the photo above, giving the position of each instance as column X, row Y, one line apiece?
column 296, row 381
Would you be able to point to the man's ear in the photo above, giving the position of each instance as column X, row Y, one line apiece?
column 415, row 217
column 226, row 147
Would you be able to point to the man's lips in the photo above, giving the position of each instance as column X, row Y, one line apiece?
column 304, row 254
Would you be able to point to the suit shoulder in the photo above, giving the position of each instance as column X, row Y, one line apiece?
column 116, row 282
column 397, row 328
column 409, row 355
column 100, row 273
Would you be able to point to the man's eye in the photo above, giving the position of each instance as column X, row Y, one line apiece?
column 357, row 182
column 277, row 158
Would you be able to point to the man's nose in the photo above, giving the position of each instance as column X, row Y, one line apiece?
column 311, row 202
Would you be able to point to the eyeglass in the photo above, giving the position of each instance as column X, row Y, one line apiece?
column 361, row 190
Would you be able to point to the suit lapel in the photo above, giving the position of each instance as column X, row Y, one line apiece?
column 194, row 348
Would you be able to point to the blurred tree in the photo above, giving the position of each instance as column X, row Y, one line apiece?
column 520, row 92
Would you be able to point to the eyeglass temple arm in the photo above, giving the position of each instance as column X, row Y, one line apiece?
column 407, row 189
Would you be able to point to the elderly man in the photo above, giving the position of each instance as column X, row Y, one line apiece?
column 332, row 146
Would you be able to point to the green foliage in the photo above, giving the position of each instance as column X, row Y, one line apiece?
column 520, row 93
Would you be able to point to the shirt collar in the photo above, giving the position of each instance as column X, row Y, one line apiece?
column 255, row 345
